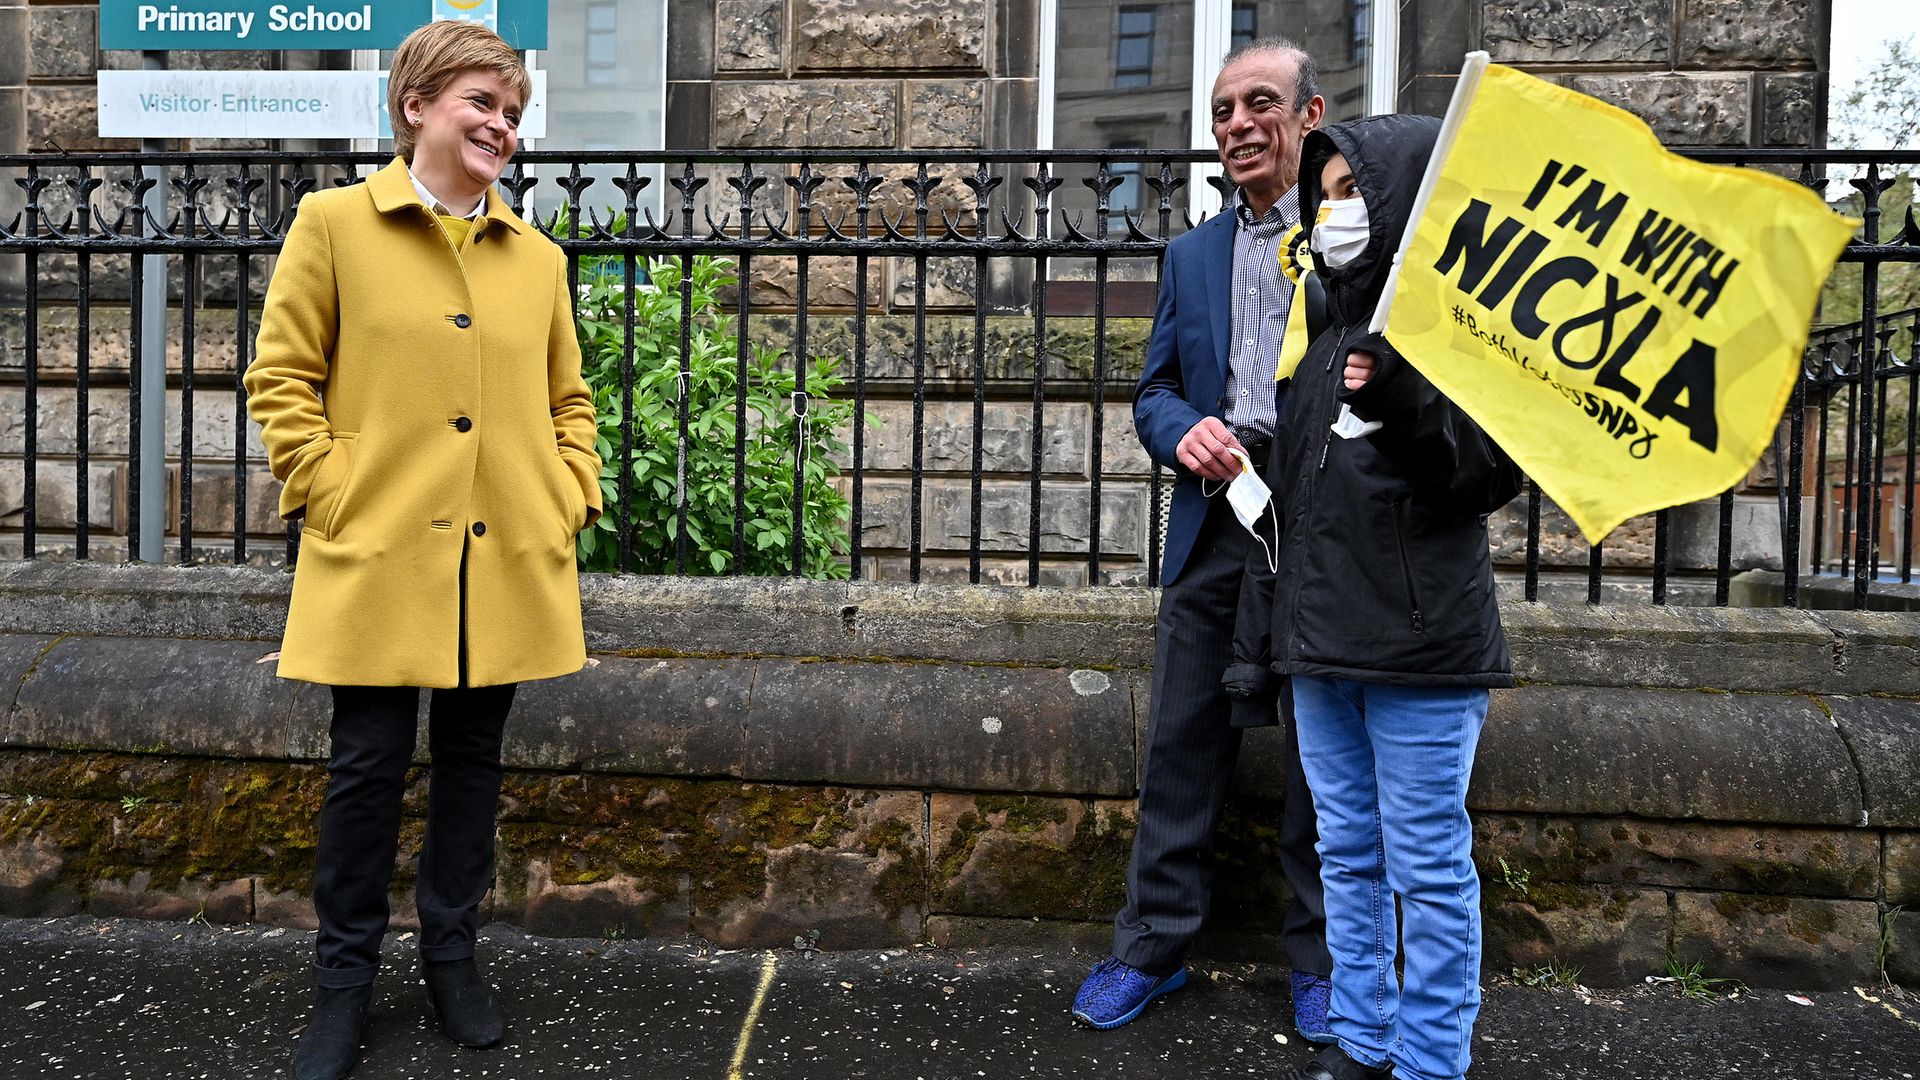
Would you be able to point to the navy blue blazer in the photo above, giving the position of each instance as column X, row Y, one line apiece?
column 1185, row 378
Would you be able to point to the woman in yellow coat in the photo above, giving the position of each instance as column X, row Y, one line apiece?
column 417, row 383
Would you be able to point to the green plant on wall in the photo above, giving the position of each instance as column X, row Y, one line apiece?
column 776, row 429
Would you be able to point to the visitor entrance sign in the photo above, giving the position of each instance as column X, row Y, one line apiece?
column 261, row 105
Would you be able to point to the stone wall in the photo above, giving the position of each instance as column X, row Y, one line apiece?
column 55, row 45
column 1701, row 72
column 756, row 760
column 913, row 74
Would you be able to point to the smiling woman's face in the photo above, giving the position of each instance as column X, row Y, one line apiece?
column 465, row 135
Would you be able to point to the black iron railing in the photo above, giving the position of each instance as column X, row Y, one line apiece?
column 1850, row 386
column 1062, row 246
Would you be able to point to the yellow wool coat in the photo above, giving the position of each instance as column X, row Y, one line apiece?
column 425, row 410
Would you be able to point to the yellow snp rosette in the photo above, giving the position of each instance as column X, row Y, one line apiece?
column 1296, row 262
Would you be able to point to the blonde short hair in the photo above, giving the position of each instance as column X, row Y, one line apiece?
column 431, row 56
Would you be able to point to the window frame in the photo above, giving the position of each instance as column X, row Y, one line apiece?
column 593, row 72
column 1120, row 39
column 1253, row 29
column 1212, row 38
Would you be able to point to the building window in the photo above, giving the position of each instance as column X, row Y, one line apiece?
column 1125, row 197
column 1133, row 48
column 1165, row 57
column 1102, row 48
column 611, row 94
column 1245, row 25
column 603, row 44
column 1137, row 75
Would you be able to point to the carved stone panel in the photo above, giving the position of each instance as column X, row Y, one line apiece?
column 944, row 113
column 1577, row 31
column 950, row 283
column 1749, row 33
column 1793, row 109
column 947, row 199
column 842, row 35
column 806, row 114
column 62, row 42
column 1683, row 110
column 66, row 117
column 749, row 35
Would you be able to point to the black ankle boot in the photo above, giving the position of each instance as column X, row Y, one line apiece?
column 464, row 1003
column 330, row 1046
column 1332, row 1063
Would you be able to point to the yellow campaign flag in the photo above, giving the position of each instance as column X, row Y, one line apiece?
column 1626, row 323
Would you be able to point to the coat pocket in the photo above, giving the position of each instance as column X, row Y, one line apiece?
column 573, row 509
column 1406, row 572
column 328, row 494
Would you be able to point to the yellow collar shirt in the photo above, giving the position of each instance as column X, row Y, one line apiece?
column 458, row 226
column 438, row 207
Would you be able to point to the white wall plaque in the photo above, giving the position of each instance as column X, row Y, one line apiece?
column 260, row 105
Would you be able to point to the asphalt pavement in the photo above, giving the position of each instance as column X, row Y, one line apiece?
column 89, row 998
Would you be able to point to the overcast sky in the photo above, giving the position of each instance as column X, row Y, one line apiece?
column 1861, row 29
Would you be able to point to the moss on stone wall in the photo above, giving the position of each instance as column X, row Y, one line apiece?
column 1028, row 856
column 172, row 819
column 749, row 863
column 902, row 884
column 712, row 840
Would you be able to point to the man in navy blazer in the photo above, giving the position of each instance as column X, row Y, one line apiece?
column 1207, row 391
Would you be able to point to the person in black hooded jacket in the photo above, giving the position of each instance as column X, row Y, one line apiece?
column 1379, row 611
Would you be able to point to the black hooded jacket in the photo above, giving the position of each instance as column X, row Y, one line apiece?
column 1384, row 574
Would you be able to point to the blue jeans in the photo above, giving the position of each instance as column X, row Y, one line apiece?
column 1389, row 766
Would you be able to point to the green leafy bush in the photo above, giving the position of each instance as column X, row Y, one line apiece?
column 774, row 433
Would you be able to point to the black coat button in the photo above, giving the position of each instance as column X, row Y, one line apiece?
column 462, row 321
column 479, row 528
column 463, row 424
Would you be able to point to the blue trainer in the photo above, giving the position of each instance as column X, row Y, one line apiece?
column 1311, row 996
column 1115, row 993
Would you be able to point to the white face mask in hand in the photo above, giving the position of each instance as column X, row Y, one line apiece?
column 1249, row 496
column 1340, row 232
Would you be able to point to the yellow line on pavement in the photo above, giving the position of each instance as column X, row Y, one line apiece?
column 767, row 968
column 1897, row 1014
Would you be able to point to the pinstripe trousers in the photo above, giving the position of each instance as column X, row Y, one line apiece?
column 1190, row 756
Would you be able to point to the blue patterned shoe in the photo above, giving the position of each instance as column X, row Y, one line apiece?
column 1115, row 993
column 1311, row 996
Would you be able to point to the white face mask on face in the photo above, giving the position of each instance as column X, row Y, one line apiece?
column 1341, row 231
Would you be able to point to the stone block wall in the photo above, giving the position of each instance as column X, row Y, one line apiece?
column 911, row 74
column 55, row 44
column 1701, row 72
column 755, row 760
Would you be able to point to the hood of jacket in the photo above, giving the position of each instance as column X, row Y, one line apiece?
column 1388, row 155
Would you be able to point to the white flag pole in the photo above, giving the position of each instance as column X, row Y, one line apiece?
column 1463, row 91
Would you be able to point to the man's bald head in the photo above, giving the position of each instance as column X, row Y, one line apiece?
column 1264, row 102
column 1306, row 85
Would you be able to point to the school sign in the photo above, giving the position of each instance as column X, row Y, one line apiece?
column 160, row 104
column 310, row 24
